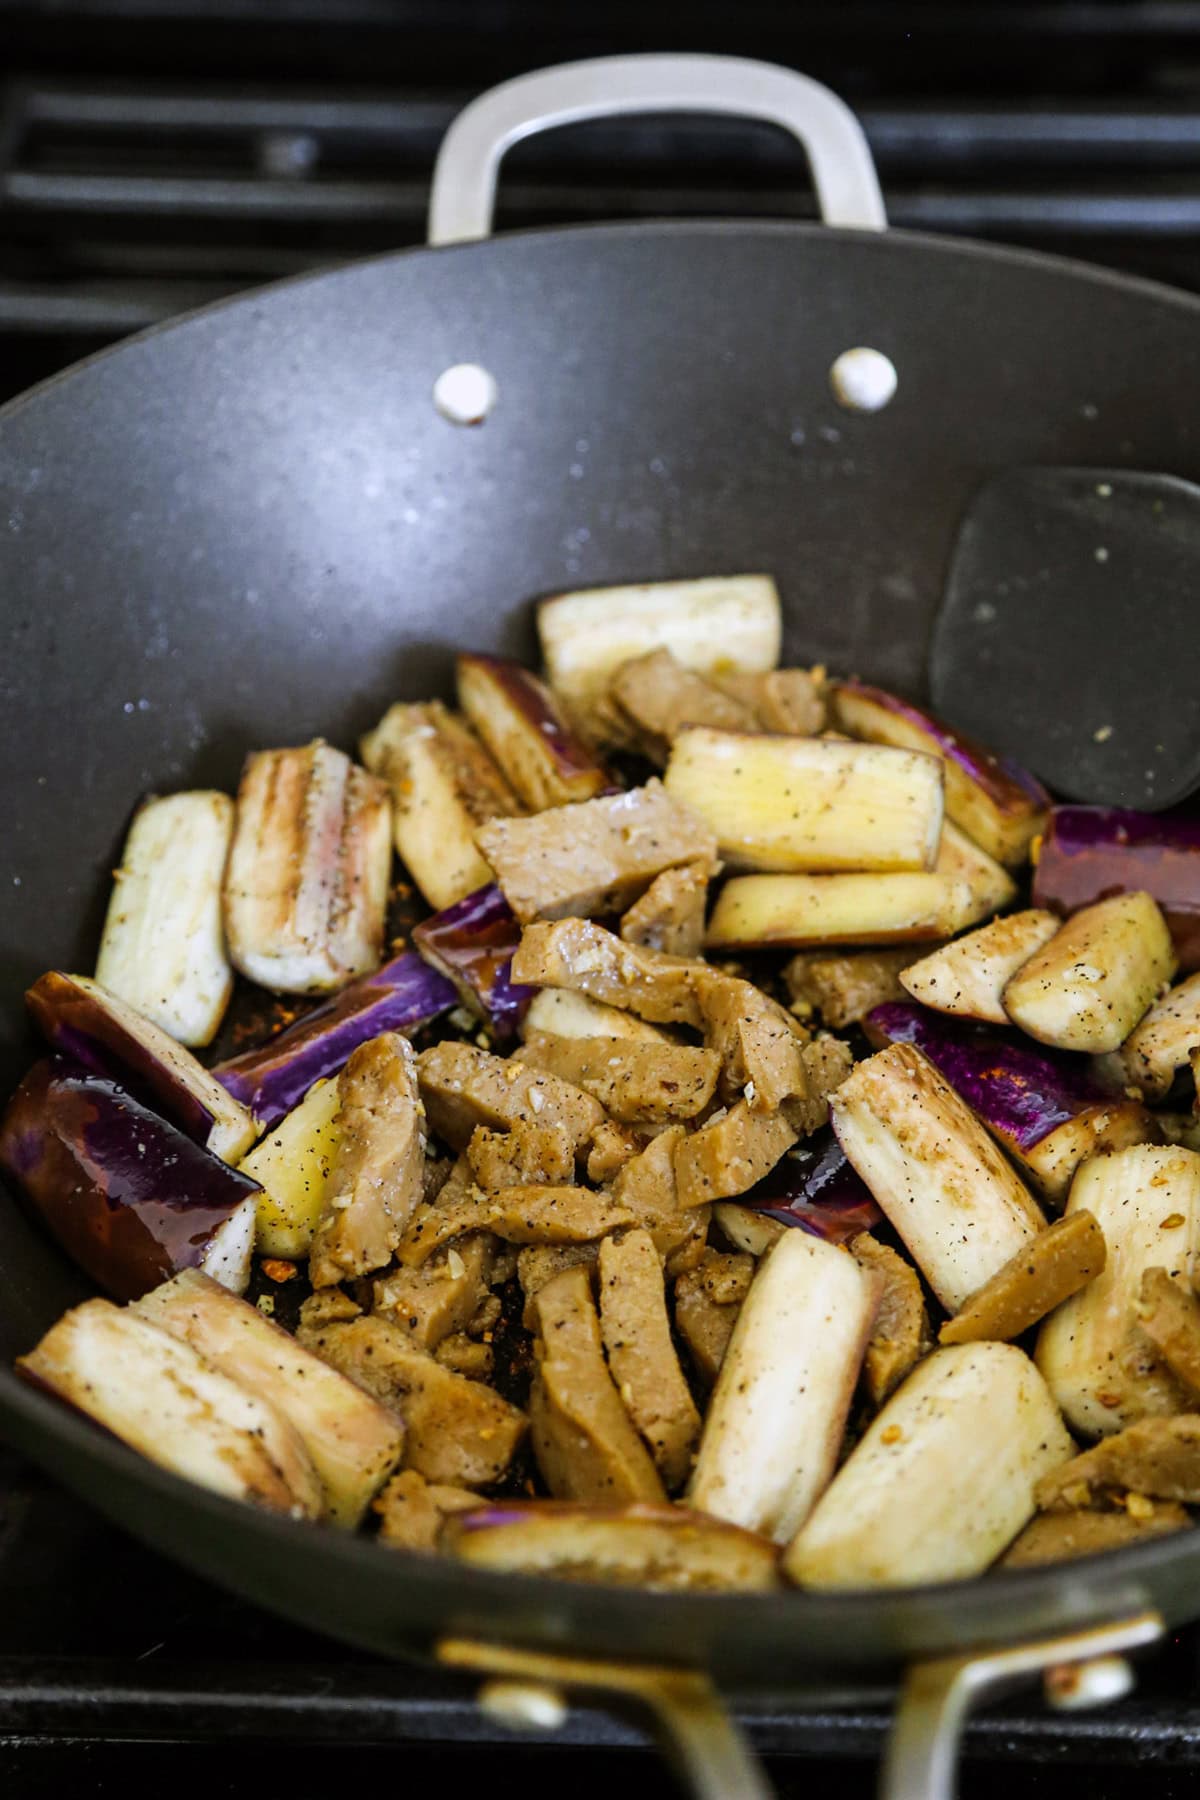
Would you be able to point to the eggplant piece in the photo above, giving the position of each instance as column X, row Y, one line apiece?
column 519, row 720
column 401, row 996
column 999, row 804
column 1048, row 1270
column 1045, row 1107
column 463, row 1087
column 564, row 1012
column 670, row 914
column 80, row 1019
column 641, row 1357
column 660, row 697
column 595, row 857
column 815, row 1188
column 943, row 1479
column 1102, row 1371
column 807, row 804
column 162, row 950
column 797, row 912
column 130, row 1198
column 775, row 1423
column 472, row 943
column 165, row 1400
column 968, row 977
column 976, row 884
column 666, row 1548
column 293, row 1164
column 353, row 1442
column 1163, row 1044
column 306, row 885
column 721, row 622
column 843, row 987
column 580, row 955
column 960, row 1208
column 1091, row 852
column 444, row 786
column 1096, row 978
column 636, row 1083
column 784, row 700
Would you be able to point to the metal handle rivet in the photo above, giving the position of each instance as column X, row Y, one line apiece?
column 863, row 380
column 465, row 393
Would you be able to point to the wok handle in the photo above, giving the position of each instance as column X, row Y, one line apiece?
column 468, row 163
column 709, row 1752
column 1083, row 1668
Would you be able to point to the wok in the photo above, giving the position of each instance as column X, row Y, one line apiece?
column 255, row 525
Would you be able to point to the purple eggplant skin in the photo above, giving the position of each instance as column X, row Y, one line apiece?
column 817, row 1189
column 1091, row 852
column 128, row 1196
column 402, row 995
column 472, row 943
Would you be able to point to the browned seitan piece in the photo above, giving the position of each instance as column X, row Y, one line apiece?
column 613, row 1146
column 579, row 954
column 844, row 988
column 900, row 1335
column 1047, row 1270
column 827, row 1063
column 467, row 1356
column 328, row 1306
column 729, row 1153
column 1158, row 1457
column 760, row 1045
column 670, row 914
column 539, row 1263
column 708, row 1300
column 641, row 1356
column 519, row 1215
column 635, row 1083
column 1061, row 1537
column 791, row 701
column 463, row 1087
column 456, row 1431
column 647, row 1187
column 412, row 1511
column 1170, row 1317
column 594, row 857
column 375, row 1182
column 585, row 1443
column 443, row 1295
column 660, row 697
column 526, row 1154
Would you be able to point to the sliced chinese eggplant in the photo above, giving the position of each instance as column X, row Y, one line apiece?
column 775, row 1423
column 306, row 884
column 719, row 622
column 995, row 801
column 127, row 1195
column 1094, row 980
column 567, row 1013
column 957, row 1203
column 1102, row 1371
column 942, row 1480
column 403, row 995
column 968, row 977
column 163, row 947
column 1157, row 1049
column 444, row 786
column 1044, row 1106
column 790, row 803
column 796, row 912
column 80, row 1019
column 816, row 1188
column 471, row 943
column 1091, row 852
column 292, row 1164
column 521, row 723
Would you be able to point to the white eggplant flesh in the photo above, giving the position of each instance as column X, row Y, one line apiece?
column 749, row 1229
column 778, row 1413
column 294, row 1165
column 519, row 720
column 943, row 1479
column 229, row 1253
column 783, row 804
column 170, row 1403
column 163, row 946
column 1101, row 1370
column 1162, row 1045
column 1096, row 978
column 353, row 1441
column 565, row 1013
column 976, row 884
column 803, row 912
column 968, row 977
column 306, row 886
column 719, row 624
column 956, row 1201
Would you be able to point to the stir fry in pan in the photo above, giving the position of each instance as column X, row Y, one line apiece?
column 675, row 1119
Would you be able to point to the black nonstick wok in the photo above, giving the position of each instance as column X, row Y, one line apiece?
column 256, row 525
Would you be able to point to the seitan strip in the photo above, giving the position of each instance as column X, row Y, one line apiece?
column 527, row 1153
column 760, row 1045
column 412, row 1511
column 1170, row 1317
column 1061, row 1537
column 1159, row 1457
column 637, row 1084
column 579, row 954
column 441, row 1297
column 791, row 701
column 464, row 1087
column 708, row 1299
column 519, row 1215
column 827, row 1063
column 584, row 1441
column 845, row 988
column 597, row 856
column 612, row 1147
column 1047, row 1270
column 376, row 1180
column 670, row 914
column 467, row 1356
column 735, row 1149
column 641, row 1356
column 900, row 1335
column 660, row 697
column 456, row 1431
column 647, row 1187
column 539, row 1263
